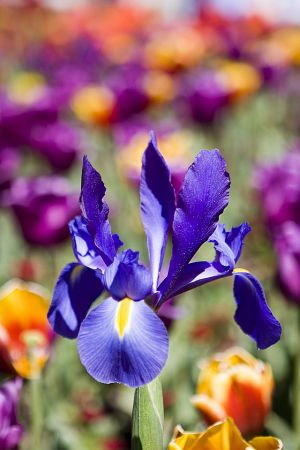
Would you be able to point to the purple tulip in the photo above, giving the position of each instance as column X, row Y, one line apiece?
column 279, row 189
column 16, row 120
column 204, row 96
column 9, row 163
column 58, row 142
column 10, row 430
column 287, row 244
column 43, row 206
column 131, row 97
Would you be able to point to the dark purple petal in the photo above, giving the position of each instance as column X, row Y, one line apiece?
column 95, row 210
column 203, row 197
column 11, row 431
column 86, row 252
column 228, row 244
column 76, row 289
column 157, row 205
column 253, row 314
column 133, row 355
column 125, row 277
column 195, row 275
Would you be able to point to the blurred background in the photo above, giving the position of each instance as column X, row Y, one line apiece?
column 94, row 77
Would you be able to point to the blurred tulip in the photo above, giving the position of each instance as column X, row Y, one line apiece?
column 131, row 96
column 159, row 86
column 235, row 384
column 9, row 163
column 287, row 245
column 58, row 141
column 43, row 206
column 222, row 435
column 25, row 335
column 10, row 430
column 26, row 87
column 204, row 96
column 239, row 79
column 172, row 49
column 279, row 190
column 93, row 104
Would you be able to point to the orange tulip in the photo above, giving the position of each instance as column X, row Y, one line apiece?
column 235, row 384
column 25, row 335
column 222, row 435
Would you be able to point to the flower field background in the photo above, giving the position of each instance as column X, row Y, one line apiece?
column 94, row 81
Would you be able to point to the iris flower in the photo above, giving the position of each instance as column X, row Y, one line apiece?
column 122, row 339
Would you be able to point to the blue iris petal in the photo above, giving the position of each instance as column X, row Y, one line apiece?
column 76, row 289
column 125, row 277
column 157, row 205
column 85, row 250
column 253, row 314
column 95, row 210
column 134, row 359
column 228, row 244
column 202, row 198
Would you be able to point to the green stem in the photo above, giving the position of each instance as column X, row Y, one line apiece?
column 148, row 417
column 36, row 413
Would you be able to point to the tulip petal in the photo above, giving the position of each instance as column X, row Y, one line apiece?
column 125, row 277
column 86, row 252
column 202, row 198
column 123, row 342
column 266, row 443
column 157, row 205
column 76, row 289
column 95, row 210
column 253, row 314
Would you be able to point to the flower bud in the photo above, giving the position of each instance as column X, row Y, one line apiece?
column 235, row 384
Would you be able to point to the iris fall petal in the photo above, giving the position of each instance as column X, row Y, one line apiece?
column 253, row 314
column 123, row 343
column 76, row 289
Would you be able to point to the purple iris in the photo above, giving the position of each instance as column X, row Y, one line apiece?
column 10, row 430
column 122, row 339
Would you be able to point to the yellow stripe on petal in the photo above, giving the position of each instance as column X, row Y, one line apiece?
column 123, row 316
column 240, row 270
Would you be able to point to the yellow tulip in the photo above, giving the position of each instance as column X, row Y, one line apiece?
column 221, row 436
column 93, row 104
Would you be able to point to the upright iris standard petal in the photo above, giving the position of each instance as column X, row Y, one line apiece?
column 253, row 314
column 157, row 205
column 95, row 210
column 125, row 277
column 203, row 197
column 123, row 342
column 228, row 244
column 76, row 289
column 85, row 250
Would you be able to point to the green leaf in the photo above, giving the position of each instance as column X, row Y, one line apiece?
column 148, row 417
